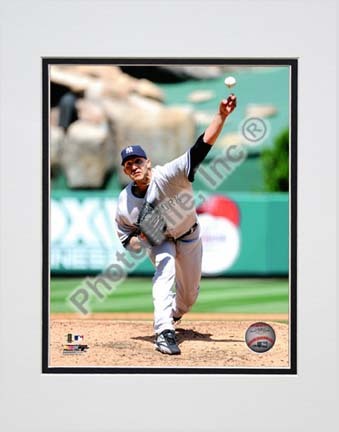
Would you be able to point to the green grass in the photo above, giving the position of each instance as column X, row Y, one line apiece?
column 216, row 295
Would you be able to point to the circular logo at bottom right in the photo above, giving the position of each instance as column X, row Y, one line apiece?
column 260, row 337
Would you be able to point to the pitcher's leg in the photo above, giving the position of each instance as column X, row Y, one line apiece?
column 188, row 273
column 163, row 258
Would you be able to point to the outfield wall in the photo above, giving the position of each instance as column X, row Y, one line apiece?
column 243, row 234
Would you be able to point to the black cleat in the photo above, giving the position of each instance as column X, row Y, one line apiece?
column 166, row 343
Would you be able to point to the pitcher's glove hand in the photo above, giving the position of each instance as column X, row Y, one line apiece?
column 151, row 224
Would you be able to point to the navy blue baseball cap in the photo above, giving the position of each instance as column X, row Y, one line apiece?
column 132, row 151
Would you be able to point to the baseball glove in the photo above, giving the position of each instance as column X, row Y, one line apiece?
column 152, row 224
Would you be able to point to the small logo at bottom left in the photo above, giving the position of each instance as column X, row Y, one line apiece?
column 74, row 344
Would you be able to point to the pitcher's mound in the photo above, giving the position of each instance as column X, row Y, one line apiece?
column 126, row 343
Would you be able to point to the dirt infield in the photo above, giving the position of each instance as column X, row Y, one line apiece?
column 205, row 341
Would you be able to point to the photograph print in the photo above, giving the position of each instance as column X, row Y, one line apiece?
column 169, row 215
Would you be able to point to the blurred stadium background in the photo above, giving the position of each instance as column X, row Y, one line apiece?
column 96, row 110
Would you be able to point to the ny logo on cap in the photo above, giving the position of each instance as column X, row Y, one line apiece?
column 129, row 149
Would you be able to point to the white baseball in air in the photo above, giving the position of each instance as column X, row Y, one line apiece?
column 230, row 81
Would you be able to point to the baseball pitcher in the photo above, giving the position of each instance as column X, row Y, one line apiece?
column 156, row 210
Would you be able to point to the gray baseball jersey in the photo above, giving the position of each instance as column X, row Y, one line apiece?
column 170, row 190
